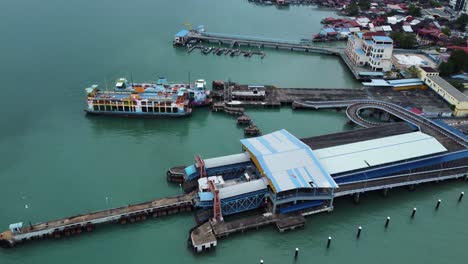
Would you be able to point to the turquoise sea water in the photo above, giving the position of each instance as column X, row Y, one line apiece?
column 56, row 162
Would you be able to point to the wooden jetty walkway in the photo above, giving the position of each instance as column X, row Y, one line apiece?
column 75, row 225
column 233, row 40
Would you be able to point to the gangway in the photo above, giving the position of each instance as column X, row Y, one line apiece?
column 217, row 214
column 201, row 166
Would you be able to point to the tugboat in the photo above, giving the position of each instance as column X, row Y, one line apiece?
column 252, row 130
column 244, row 120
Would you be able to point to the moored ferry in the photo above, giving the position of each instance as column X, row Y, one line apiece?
column 197, row 93
column 137, row 103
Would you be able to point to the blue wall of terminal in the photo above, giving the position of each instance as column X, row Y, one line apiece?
column 402, row 166
column 237, row 204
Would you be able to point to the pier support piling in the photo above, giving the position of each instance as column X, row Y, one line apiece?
column 359, row 232
column 461, row 196
column 385, row 192
column 329, row 242
column 438, row 204
column 387, row 221
column 413, row 213
column 296, row 253
column 356, row 198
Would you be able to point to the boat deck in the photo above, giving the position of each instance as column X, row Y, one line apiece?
column 143, row 96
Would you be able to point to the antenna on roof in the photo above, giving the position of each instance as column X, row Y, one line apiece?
column 189, row 78
column 105, row 83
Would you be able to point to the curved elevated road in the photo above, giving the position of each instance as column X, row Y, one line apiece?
column 447, row 137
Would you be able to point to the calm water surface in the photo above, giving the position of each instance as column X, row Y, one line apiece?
column 57, row 162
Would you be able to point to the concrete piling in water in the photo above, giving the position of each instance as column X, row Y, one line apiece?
column 438, row 204
column 413, row 213
column 387, row 222
column 296, row 253
column 356, row 198
column 359, row 232
column 461, row 196
column 261, row 261
column 385, row 192
column 329, row 242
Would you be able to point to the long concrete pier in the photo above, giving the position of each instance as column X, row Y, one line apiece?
column 75, row 225
column 233, row 40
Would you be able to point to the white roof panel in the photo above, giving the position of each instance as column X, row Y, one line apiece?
column 227, row 160
column 369, row 153
column 387, row 28
column 407, row 29
column 242, row 188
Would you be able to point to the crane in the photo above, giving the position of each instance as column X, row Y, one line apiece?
column 201, row 166
column 217, row 213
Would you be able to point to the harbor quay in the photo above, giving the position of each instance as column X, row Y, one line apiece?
column 284, row 178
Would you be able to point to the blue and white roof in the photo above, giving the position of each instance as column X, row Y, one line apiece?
column 287, row 162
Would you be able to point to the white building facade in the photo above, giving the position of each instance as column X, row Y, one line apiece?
column 373, row 51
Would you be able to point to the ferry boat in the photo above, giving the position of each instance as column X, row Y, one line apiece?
column 137, row 103
column 198, row 94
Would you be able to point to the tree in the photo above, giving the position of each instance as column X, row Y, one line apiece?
column 404, row 40
column 446, row 68
column 456, row 41
column 413, row 71
column 364, row 4
column 352, row 9
column 414, row 10
column 461, row 22
column 458, row 85
column 435, row 3
column 457, row 62
column 446, row 31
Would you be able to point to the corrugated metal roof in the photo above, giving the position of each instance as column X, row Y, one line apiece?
column 287, row 162
column 449, row 88
column 242, row 188
column 375, row 152
column 408, row 84
column 182, row 33
column 407, row 29
column 382, row 38
column 227, row 160
column 371, row 73
column 402, row 81
column 377, row 82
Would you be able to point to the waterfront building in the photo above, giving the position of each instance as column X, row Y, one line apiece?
column 370, row 50
column 452, row 95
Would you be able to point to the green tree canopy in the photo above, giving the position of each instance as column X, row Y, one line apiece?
column 404, row 40
column 457, row 62
column 446, row 31
column 414, row 10
column 352, row 9
column 364, row 4
column 461, row 22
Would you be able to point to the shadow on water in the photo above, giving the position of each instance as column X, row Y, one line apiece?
column 136, row 127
